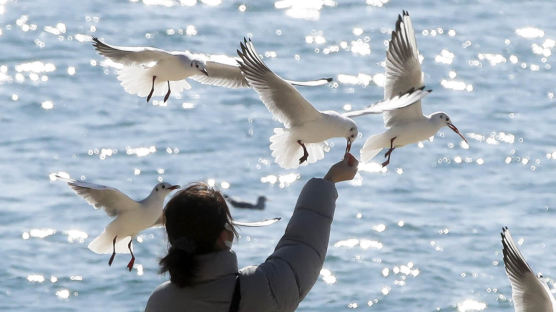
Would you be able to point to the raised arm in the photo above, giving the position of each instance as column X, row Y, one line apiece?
column 285, row 278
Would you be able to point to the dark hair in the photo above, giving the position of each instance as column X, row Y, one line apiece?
column 194, row 219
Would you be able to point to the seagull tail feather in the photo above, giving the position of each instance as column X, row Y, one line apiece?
column 286, row 151
column 102, row 244
column 371, row 148
column 138, row 79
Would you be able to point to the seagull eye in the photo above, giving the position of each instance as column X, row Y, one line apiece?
column 156, row 189
column 163, row 186
column 352, row 128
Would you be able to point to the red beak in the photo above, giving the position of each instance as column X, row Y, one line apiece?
column 451, row 126
column 348, row 146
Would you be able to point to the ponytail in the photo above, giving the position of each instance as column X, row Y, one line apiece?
column 181, row 265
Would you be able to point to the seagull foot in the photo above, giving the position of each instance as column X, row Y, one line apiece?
column 132, row 261
column 113, row 251
column 305, row 153
column 168, row 93
column 130, row 264
column 389, row 152
column 152, row 90
column 111, row 259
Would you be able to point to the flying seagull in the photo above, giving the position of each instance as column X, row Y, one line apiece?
column 305, row 128
column 130, row 216
column 403, row 72
column 147, row 69
column 529, row 292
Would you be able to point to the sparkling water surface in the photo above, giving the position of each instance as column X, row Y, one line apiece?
column 421, row 235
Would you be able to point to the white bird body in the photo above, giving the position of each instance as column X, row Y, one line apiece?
column 404, row 125
column 328, row 125
column 131, row 217
column 529, row 292
column 142, row 64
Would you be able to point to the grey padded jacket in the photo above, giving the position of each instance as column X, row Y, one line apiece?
column 278, row 284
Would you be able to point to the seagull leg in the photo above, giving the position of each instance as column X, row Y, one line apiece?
column 387, row 161
column 113, row 251
column 132, row 261
column 167, row 94
column 305, row 154
column 152, row 90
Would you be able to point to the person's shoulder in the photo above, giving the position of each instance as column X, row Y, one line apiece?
column 163, row 287
column 158, row 295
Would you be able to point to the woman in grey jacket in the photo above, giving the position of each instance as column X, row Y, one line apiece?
column 203, row 269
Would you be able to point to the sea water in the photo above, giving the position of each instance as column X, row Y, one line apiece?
column 422, row 234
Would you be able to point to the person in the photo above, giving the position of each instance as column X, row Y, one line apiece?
column 203, row 269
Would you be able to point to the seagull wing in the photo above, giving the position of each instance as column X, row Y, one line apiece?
column 223, row 71
column 528, row 292
column 129, row 55
column 257, row 223
column 161, row 221
column 403, row 71
column 100, row 196
column 396, row 102
column 284, row 102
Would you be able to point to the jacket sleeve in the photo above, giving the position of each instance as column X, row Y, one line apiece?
column 285, row 278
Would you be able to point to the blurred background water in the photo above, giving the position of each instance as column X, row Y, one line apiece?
column 421, row 235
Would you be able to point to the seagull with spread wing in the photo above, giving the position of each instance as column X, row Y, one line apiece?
column 529, row 292
column 146, row 70
column 131, row 217
column 403, row 72
column 306, row 129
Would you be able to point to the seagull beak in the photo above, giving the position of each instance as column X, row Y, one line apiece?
column 348, row 146
column 451, row 126
column 174, row 187
column 205, row 71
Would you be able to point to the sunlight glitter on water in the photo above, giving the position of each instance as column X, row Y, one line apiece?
column 457, row 85
column 327, row 276
column 530, row 32
column 63, row 293
column 308, row 9
column 362, row 243
column 38, row 233
column 372, row 167
column 445, row 57
column 360, row 79
column 471, row 305
column 377, row 3
column 35, row 278
column 283, row 180
column 76, row 236
column 140, row 151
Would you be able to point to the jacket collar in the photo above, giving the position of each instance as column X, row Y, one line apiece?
column 215, row 265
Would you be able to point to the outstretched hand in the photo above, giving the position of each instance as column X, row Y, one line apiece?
column 343, row 170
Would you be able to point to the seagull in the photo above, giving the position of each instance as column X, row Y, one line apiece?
column 131, row 217
column 302, row 140
column 403, row 72
column 147, row 69
column 529, row 292
column 261, row 200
